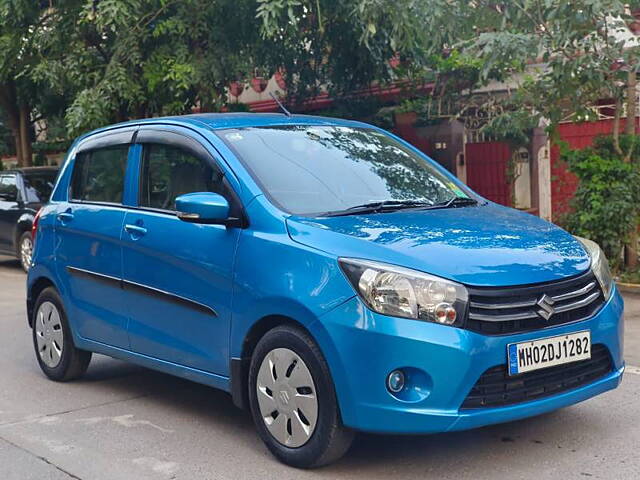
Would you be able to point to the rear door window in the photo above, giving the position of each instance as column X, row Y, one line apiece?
column 38, row 186
column 99, row 175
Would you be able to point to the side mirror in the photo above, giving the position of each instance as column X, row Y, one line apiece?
column 203, row 207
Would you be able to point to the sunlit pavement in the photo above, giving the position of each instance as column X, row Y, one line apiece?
column 126, row 422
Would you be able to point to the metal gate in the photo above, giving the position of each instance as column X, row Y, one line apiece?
column 487, row 164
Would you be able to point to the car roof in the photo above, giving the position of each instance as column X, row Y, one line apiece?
column 27, row 170
column 217, row 121
column 239, row 120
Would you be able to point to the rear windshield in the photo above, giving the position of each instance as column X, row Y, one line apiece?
column 313, row 170
column 38, row 186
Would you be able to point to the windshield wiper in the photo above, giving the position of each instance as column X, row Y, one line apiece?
column 395, row 205
column 380, row 206
column 453, row 202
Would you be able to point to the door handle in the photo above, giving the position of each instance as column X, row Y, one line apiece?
column 65, row 217
column 135, row 230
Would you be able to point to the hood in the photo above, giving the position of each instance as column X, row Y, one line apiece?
column 486, row 245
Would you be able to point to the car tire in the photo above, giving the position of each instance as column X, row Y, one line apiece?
column 24, row 250
column 57, row 355
column 310, row 439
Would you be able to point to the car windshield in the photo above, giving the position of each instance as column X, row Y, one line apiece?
column 38, row 186
column 315, row 170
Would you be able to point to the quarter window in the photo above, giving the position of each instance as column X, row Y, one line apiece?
column 99, row 175
column 168, row 172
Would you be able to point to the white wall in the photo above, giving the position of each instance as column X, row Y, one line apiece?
column 544, row 181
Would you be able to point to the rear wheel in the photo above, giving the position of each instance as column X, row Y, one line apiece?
column 25, row 250
column 293, row 401
column 57, row 356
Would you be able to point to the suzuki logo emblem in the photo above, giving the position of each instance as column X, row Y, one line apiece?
column 284, row 397
column 546, row 306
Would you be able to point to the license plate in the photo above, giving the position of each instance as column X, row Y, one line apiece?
column 547, row 352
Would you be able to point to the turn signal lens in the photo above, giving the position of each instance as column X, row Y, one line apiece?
column 445, row 313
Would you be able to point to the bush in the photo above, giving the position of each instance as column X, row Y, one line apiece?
column 605, row 205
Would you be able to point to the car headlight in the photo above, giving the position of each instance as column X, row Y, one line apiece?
column 599, row 265
column 401, row 292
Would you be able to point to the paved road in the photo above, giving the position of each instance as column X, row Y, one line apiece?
column 125, row 422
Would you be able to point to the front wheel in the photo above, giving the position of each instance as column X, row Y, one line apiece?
column 293, row 401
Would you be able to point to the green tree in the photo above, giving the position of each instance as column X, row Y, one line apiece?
column 140, row 58
column 578, row 49
column 605, row 206
column 26, row 30
column 18, row 20
column 345, row 45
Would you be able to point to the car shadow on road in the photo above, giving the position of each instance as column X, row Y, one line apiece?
column 191, row 398
column 443, row 454
column 10, row 263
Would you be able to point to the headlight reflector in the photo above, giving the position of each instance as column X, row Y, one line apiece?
column 402, row 292
column 599, row 265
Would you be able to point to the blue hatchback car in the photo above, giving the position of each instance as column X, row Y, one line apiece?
column 327, row 274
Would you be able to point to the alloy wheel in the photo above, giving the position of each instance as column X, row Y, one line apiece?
column 26, row 250
column 287, row 397
column 49, row 334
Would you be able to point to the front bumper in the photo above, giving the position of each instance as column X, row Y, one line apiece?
column 362, row 347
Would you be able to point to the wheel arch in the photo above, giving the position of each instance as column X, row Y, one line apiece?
column 240, row 365
column 35, row 289
column 23, row 225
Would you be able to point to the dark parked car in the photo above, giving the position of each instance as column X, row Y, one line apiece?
column 22, row 193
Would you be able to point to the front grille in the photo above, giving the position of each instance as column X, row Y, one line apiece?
column 496, row 388
column 501, row 311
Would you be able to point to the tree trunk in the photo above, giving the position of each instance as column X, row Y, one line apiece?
column 8, row 103
column 630, row 126
column 25, row 136
column 616, row 127
column 15, row 133
column 631, row 249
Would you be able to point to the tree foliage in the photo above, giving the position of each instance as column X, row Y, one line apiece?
column 99, row 61
column 605, row 206
column 137, row 58
column 559, row 57
column 339, row 45
column 19, row 22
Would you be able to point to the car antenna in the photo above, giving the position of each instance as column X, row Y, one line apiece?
column 286, row 112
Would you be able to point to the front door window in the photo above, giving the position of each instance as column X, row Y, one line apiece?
column 168, row 172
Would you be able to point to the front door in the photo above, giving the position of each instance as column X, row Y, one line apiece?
column 177, row 276
column 88, row 252
column 9, row 211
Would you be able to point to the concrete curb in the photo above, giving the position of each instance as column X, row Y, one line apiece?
column 628, row 287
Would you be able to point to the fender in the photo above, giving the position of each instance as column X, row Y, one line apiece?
column 37, row 274
column 23, row 224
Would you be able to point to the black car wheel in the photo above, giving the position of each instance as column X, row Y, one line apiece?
column 57, row 356
column 293, row 401
column 25, row 250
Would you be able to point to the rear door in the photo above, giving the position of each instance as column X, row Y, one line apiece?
column 88, row 229
column 177, row 276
